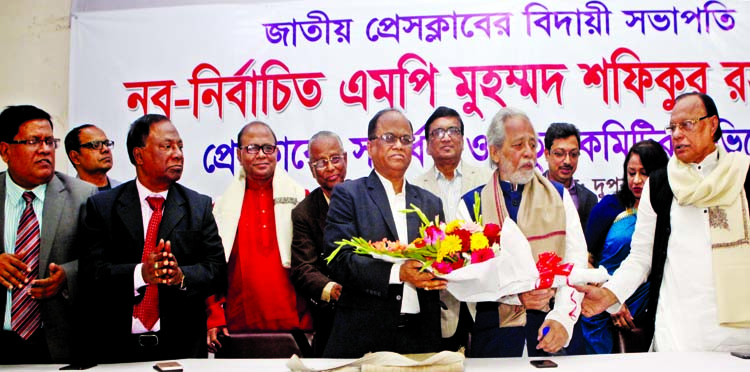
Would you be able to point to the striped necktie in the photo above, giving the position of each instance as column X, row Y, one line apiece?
column 25, row 315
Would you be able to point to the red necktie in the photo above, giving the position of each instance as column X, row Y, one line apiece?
column 147, row 311
column 25, row 316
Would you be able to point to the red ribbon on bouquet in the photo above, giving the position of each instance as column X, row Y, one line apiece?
column 549, row 266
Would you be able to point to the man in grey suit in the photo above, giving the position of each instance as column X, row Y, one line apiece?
column 383, row 306
column 562, row 147
column 38, row 263
column 90, row 152
column 449, row 178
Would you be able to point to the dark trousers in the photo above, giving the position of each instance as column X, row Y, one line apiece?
column 461, row 337
column 490, row 341
column 16, row 350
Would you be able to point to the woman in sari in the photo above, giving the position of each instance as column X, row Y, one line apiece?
column 608, row 235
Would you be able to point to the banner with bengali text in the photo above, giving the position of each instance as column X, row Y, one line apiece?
column 611, row 68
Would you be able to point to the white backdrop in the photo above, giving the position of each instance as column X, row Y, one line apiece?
column 610, row 68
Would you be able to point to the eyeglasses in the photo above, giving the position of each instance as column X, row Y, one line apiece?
column 441, row 132
column 390, row 138
column 97, row 145
column 685, row 126
column 321, row 164
column 37, row 142
column 561, row 154
column 254, row 149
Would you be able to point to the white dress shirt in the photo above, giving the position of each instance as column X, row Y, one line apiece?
column 138, row 281
column 397, row 202
column 450, row 191
column 686, row 316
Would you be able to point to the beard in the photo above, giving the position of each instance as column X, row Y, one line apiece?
column 517, row 175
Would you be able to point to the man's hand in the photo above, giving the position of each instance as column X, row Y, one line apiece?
column 622, row 318
column 555, row 338
column 12, row 271
column 409, row 273
column 537, row 299
column 336, row 292
column 49, row 287
column 213, row 338
column 595, row 300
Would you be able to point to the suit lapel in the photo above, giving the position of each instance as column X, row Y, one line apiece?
column 321, row 208
column 377, row 193
column 173, row 212
column 54, row 202
column 128, row 207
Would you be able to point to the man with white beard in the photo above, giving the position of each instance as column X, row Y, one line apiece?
column 548, row 218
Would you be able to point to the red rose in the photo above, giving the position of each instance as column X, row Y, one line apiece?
column 458, row 264
column 492, row 232
column 465, row 237
column 481, row 255
column 419, row 243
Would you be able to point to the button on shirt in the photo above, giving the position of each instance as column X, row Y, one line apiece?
column 14, row 207
column 450, row 191
column 686, row 316
column 397, row 202
column 138, row 281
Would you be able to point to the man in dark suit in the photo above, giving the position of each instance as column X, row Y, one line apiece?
column 562, row 147
column 44, row 281
column 153, row 255
column 383, row 306
column 309, row 270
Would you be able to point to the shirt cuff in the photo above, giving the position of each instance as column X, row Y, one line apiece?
column 395, row 277
column 326, row 295
column 138, row 281
column 511, row 300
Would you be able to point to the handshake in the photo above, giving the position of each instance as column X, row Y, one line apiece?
column 161, row 266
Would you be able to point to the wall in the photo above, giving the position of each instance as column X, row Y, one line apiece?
column 35, row 37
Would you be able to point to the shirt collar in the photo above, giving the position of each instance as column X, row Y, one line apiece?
column 388, row 186
column 458, row 173
column 144, row 192
column 15, row 192
column 708, row 164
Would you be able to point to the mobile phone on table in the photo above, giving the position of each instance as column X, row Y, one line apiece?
column 741, row 354
column 543, row 363
column 168, row 367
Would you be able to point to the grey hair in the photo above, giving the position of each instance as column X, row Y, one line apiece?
column 496, row 131
column 325, row 134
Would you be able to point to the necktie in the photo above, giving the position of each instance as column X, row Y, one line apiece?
column 25, row 315
column 147, row 311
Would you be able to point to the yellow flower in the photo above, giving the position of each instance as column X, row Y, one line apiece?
column 449, row 246
column 453, row 225
column 479, row 241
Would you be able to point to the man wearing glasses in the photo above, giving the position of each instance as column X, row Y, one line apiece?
column 90, row 152
column 309, row 269
column 562, row 148
column 449, row 178
column 690, row 240
column 254, row 218
column 38, row 263
column 383, row 306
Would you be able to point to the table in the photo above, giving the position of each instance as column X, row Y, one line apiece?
column 639, row 362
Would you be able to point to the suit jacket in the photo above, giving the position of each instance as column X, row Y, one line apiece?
column 369, row 307
column 471, row 178
column 114, row 239
column 586, row 202
column 63, row 202
column 309, row 269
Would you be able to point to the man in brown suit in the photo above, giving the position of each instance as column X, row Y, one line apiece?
column 309, row 271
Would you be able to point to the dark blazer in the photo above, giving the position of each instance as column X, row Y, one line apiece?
column 309, row 269
column 63, row 204
column 586, row 202
column 368, row 311
column 114, row 238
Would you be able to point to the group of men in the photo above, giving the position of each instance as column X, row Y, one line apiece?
column 158, row 272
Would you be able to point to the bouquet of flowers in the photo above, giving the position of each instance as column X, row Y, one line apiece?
column 469, row 256
column 441, row 247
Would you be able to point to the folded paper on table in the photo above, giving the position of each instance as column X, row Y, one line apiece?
column 511, row 272
column 389, row 361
